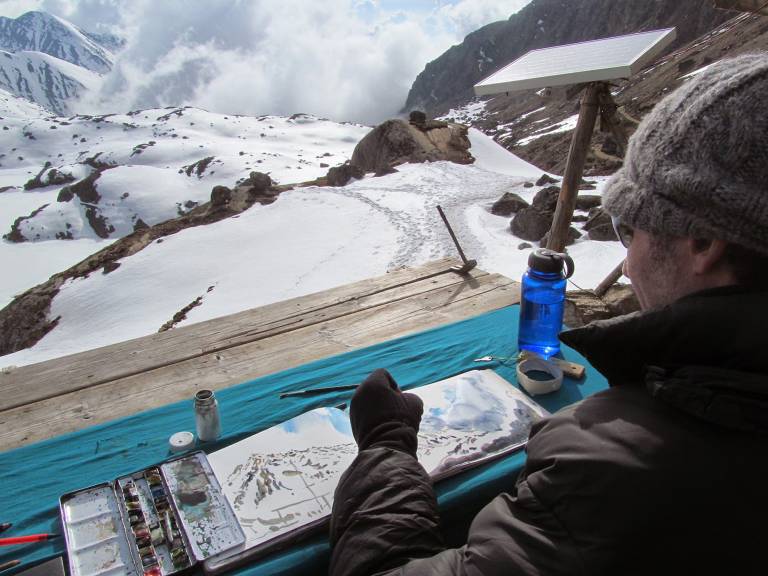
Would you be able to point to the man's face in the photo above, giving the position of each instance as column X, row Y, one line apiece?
column 654, row 268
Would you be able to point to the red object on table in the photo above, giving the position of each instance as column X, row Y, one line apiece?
column 26, row 539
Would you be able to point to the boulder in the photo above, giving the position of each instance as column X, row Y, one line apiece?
column 588, row 201
column 531, row 224
column 579, row 218
column 546, row 179
column 546, row 199
column 582, row 306
column 528, row 185
column 599, row 226
column 418, row 118
column 524, row 245
column 573, row 235
column 508, row 204
column 220, row 197
column 341, row 175
column 258, row 181
column 396, row 142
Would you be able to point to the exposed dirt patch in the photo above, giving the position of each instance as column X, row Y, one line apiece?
column 182, row 314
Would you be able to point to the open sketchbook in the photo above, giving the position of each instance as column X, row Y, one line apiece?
column 281, row 481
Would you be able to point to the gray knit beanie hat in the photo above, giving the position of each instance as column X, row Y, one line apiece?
column 697, row 165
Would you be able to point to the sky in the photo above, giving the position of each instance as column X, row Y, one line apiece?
column 348, row 60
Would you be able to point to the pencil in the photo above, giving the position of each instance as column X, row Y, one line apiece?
column 9, row 565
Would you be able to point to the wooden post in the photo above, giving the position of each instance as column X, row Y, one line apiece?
column 610, row 280
column 577, row 155
column 609, row 119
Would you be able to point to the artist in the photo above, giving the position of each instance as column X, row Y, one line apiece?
column 664, row 472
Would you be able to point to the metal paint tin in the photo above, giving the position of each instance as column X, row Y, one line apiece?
column 207, row 416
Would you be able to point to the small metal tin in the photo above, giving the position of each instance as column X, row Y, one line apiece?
column 207, row 420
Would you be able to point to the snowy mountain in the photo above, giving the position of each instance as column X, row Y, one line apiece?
column 43, row 32
column 311, row 238
column 46, row 80
column 16, row 107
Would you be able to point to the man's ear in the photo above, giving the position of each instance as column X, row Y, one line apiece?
column 706, row 255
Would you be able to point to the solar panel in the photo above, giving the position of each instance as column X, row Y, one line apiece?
column 593, row 61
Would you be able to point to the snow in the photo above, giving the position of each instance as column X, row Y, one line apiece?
column 44, row 79
column 13, row 106
column 467, row 114
column 564, row 126
column 30, row 263
column 310, row 239
column 696, row 72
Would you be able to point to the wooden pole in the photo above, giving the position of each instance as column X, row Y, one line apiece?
column 610, row 280
column 577, row 155
column 609, row 119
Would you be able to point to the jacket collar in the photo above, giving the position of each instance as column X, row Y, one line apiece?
column 702, row 354
column 720, row 327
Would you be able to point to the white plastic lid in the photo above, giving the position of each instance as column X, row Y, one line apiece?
column 181, row 441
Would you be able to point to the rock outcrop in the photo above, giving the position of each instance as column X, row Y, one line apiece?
column 582, row 306
column 508, row 204
column 396, row 142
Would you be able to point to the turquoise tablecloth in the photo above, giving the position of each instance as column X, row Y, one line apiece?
column 33, row 477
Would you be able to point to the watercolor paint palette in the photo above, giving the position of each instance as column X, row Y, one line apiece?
column 159, row 521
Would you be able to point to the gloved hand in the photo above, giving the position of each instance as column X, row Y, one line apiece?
column 382, row 415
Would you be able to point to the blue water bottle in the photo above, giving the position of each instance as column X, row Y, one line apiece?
column 542, row 301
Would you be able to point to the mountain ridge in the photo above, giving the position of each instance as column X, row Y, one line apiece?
column 37, row 31
column 447, row 81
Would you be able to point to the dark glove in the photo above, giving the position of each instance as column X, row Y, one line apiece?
column 382, row 415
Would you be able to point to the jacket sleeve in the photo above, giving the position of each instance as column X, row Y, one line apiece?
column 385, row 521
column 384, row 514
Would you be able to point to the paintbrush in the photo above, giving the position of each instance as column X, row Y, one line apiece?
column 313, row 391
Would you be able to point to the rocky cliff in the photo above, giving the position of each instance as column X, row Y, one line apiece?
column 447, row 81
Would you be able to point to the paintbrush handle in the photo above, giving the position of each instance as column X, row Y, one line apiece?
column 312, row 391
column 9, row 565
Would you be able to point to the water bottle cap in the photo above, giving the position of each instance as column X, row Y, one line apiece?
column 551, row 262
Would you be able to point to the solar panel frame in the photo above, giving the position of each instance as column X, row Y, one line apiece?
column 515, row 76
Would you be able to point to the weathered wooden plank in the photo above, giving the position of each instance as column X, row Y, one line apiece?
column 62, row 375
column 75, row 410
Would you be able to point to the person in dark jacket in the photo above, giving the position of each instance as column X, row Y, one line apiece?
column 665, row 471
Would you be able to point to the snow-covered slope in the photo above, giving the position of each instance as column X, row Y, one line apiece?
column 11, row 106
column 43, row 32
column 44, row 79
column 154, row 165
column 308, row 240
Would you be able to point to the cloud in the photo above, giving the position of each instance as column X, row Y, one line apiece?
column 343, row 59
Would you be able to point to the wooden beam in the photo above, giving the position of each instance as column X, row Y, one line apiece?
column 610, row 280
column 574, row 169
column 48, row 379
column 78, row 409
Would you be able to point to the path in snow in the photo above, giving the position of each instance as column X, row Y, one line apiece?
column 311, row 239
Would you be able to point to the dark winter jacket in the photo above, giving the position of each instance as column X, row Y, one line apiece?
column 663, row 473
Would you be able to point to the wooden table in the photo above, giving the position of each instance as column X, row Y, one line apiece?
column 69, row 393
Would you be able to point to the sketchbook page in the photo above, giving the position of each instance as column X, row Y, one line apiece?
column 280, row 482
column 471, row 418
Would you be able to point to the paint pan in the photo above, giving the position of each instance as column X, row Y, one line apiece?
column 206, row 515
column 95, row 534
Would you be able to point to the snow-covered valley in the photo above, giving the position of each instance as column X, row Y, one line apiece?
column 310, row 239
